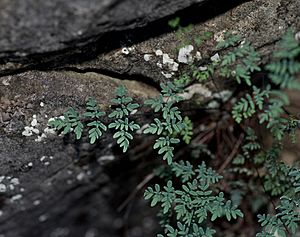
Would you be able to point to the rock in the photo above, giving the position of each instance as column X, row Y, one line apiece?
column 31, row 27
column 260, row 22
column 54, row 52
column 5, row 117
column 65, row 198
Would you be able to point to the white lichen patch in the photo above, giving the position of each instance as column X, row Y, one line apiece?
column 2, row 188
column 46, row 160
column 213, row 105
column 125, row 51
column 40, row 138
column 80, row 176
column 15, row 181
column 8, row 183
column 47, row 131
column 184, row 55
column 105, row 159
column 27, row 131
column 198, row 56
column 147, row 57
column 167, row 59
column 34, row 122
column 196, row 89
column 43, row 218
column 47, row 163
column 223, row 95
column 43, row 158
column 202, row 68
column 31, row 130
column 175, row 67
column 36, row 202
column 16, row 197
column 158, row 52
column 6, row 81
column 166, row 75
column 215, row 58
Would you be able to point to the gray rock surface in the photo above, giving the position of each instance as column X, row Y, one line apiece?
column 55, row 186
column 38, row 26
column 74, row 194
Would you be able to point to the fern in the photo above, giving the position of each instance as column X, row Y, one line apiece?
column 229, row 41
column 171, row 120
column 239, row 62
column 247, row 106
column 187, row 131
column 70, row 122
column 96, row 126
column 123, row 126
column 286, row 221
column 194, row 203
column 183, row 230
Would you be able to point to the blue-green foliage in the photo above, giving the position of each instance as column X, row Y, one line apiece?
column 96, row 126
column 282, row 72
column 287, row 219
column 247, row 106
column 240, row 61
column 194, row 203
column 123, row 126
column 187, row 131
column 270, row 103
column 70, row 122
column 124, row 105
column 170, row 122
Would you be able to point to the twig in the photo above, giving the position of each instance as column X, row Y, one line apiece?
column 233, row 153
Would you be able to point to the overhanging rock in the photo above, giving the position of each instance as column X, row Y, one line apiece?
column 33, row 27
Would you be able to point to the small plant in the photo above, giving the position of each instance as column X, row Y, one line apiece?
column 122, row 124
column 96, row 126
column 70, row 121
column 193, row 203
column 171, row 120
column 191, row 196
column 239, row 62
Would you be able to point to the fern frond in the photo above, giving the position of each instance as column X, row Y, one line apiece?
column 123, row 126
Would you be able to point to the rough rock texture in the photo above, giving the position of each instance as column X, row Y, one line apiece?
column 57, row 58
column 31, row 27
column 260, row 22
column 57, row 186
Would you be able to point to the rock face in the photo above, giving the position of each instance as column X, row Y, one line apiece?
column 53, row 186
column 56, row 186
column 32, row 27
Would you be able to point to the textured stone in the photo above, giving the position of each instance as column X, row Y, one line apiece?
column 38, row 26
